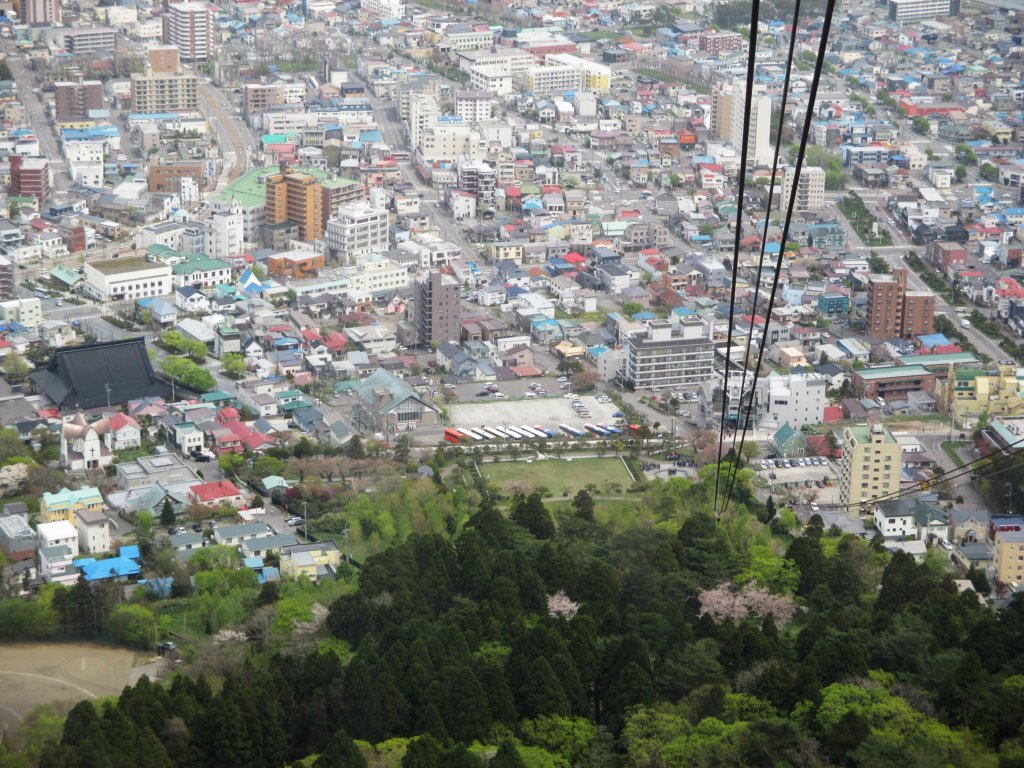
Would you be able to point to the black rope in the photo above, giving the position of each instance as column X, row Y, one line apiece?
column 751, row 57
column 808, row 118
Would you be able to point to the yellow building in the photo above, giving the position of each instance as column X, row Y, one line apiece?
column 1008, row 560
column 314, row 561
column 999, row 392
column 66, row 503
column 871, row 465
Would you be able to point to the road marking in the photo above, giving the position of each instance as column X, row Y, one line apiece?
column 88, row 693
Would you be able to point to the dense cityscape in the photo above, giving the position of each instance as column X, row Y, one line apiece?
column 393, row 384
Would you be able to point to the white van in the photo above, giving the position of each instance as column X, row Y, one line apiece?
column 961, row 310
column 965, row 323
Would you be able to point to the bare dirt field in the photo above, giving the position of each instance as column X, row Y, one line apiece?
column 47, row 673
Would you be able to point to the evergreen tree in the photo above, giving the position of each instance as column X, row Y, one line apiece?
column 167, row 516
column 583, row 505
column 425, row 752
column 16, row 370
column 341, row 752
column 507, row 757
column 531, row 514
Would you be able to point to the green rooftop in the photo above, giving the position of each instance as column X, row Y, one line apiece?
column 893, row 372
column 198, row 262
column 933, row 361
column 251, row 191
column 862, row 433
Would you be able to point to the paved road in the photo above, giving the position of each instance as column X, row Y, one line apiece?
column 964, row 487
column 38, row 120
column 235, row 139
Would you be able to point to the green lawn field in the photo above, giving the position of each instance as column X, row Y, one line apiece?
column 559, row 476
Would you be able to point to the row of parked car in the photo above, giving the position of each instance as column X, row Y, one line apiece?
column 811, row 461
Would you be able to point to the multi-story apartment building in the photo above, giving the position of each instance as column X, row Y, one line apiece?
column 555, row 79
column 7, row 279
column 515, row 61
column 86, row 40
column 917, row 10
column 597, row 77
column 474, row 106
column 885, row 301
column 299, row 198
column 257, row 98
column 1007, row 534
column 669, row 355
column 30, row 177
column 894, row 311
column 163, row 60
column 719, row 42
column 358, row 229
column 871, row 465
column 39, row 12
column 385, row 9
column 810, row 190
column 490, row 79
column 74, row 100
column 759, row 148
column 188, row 27
column 436, row 307
column 374, row 274
column 224, row 233
column 163, row 92
column 467, row 40
column 126, row 279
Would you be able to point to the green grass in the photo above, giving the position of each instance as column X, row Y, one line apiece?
column 620, row 514
column 950, row 447
column 560, row 476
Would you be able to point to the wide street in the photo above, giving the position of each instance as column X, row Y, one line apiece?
column 235, row 139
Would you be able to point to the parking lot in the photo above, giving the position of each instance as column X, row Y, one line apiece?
column 548, row 411
column 518, row 388
column 804, row 481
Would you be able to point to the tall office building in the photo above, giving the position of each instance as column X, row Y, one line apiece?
column 759, row 148
column 871, row 465
column 436, row 307
column 810, row 190
column 74, row 100
column 296, row 197
column 721, row 112
column 188, row 26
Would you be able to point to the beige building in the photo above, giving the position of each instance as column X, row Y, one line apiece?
column 163, row 92
column 66, row 504
column 999, row 392
column 810, row 190
column 1008, row 560
column 871, row 465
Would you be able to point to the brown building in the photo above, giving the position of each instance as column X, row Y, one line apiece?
column 259, row 97
column 436, row 305
column 894, row 311
column 297, row 197
column 30, row 177
column 188, row 27
column 163, row 60
column 166, row 177
column 73, row 101
column 162, row 92
column 298, row 263
column 39, row 12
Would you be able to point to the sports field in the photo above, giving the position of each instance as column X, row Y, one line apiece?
column 47, row 673
column 559, row 476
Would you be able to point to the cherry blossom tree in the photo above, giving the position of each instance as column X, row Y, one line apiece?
column 561, row 607
column 726, row 601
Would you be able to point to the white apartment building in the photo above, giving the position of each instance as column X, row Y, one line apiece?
column 597, row 77
column 449, row 141
column 810, row 190
column 472, row 40
column 58, row 546
column 375, row 273
column 515, row 61
column 667, row 356
column 759, row 148
column 474, row 106
column 490, row 79
column 915, row 10
column 548, row 81
column 794, row 398
column 126, row 279
column 358, row 230
column 385, row 9
column 423, row 112
column 93, row 531
column 253, row 212
column 430, row 251
column 224, row 232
